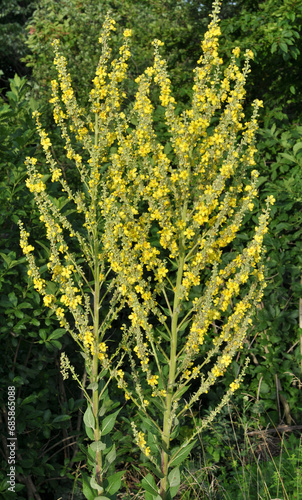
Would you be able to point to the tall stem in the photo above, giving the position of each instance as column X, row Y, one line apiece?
column 95, row 364
column 96, row 307
column 167, row 423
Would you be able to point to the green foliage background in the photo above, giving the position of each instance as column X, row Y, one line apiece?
column 49, row 415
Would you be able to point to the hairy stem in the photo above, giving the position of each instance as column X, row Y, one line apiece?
column 168, row 417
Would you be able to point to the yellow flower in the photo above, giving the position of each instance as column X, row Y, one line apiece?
column 48, row 300
column 153, row 380
column 27, row 249
column 236, row 51
column 45, row 142
column 271, row 200
column 216, row 371
column 103, row 348
column 60, row 313
column 234, row 386
column 56, row 174
column 141, row 440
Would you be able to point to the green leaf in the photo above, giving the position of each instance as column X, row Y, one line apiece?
column 56, row 343
column 47, row 415
column 180, row 392
column 88, row 492
column 174, row 477
column 111, row 455
column 57, row 334
column 35, row 322
column 149, row 484
column 150, row 496
column 174, row 490
column 88, row 418
column 13, row 298
column 61, row 418
column 93, row 386
column 288, row 157
column 108, row 423
column 25, row 305
column 43, row 334
column 153, row 443
column 29, row 399
column 264, row 388
column 19, row 314
column 89, row 432
column 96, row 486
column 97, row 446
column 296, row 147
column 181, row 454
column 163, row 334
column 113, row 483
column 283, row 47
column 273, row 47
column 158, row 473
column 184, row 326
column 174, row 481
column 168, row 148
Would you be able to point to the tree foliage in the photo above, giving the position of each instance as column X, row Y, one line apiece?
column 13, row 17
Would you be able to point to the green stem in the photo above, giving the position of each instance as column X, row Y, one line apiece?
column 95, row 368
column 95, row 361
column 168, row 417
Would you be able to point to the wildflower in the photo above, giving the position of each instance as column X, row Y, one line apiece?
column 56, row 174
column 48, row 300
column 234, row 386
column 163, row 218
column 236, row 52
column 271, row 200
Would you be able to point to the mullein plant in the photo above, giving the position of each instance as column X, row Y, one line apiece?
column 158, row 223
column 76, row 287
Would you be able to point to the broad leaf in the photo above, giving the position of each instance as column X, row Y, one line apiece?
column 181, row 454
column 108, row 423
column 97, row 446
column 113, row 483
column 149, row 484
column 88, row 418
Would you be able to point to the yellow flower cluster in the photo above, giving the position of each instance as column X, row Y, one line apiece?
column 141, row 440
column 194, row 205
column 35, row 184
column 163, row 219
column 24, row 243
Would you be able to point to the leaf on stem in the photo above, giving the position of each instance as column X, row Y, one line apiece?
column 108, row 422
column 174, row 481
column 111, row 455
column 113, row 483
column 153, row 469
column 88, row 418
column 97, row 446
column 149, row 484
column 181, row 454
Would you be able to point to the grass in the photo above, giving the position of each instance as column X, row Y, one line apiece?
column 236, row 460
column 256, row 464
